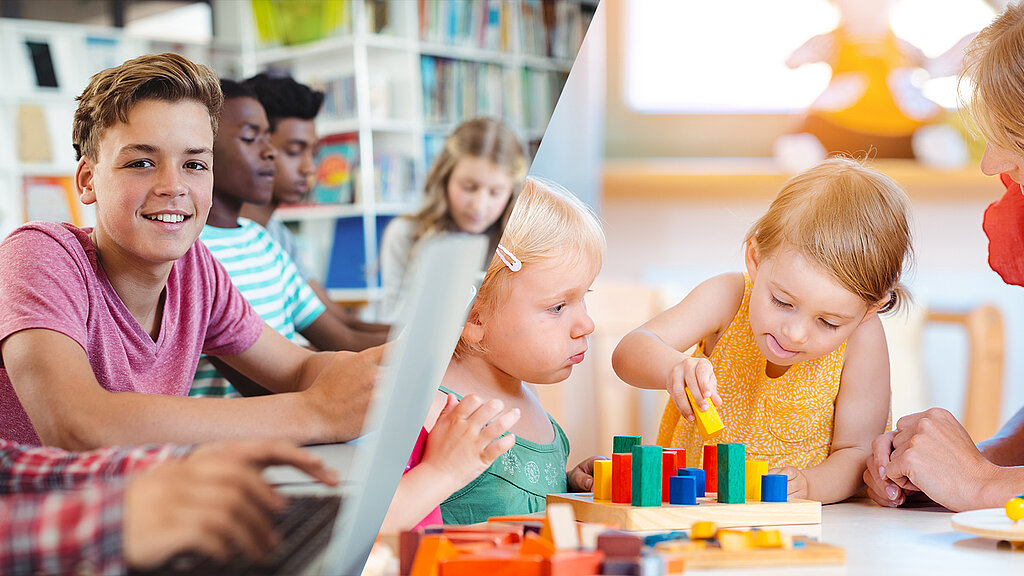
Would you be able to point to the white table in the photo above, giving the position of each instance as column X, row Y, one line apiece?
column 903, row 541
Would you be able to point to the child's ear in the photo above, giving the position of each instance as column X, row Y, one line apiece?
column 84, row 176
column 751, row 258
column 473, row 331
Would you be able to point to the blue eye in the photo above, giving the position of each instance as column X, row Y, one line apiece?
column 557, row 308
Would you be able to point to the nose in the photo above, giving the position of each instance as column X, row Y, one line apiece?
column 584, row 325
column 308, row 166
column 170, row 182
column 795, row 331
column 995, row 160
column 268, row 151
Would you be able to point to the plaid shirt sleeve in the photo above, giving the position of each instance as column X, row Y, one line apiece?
column 25, row 469
column 76, row 532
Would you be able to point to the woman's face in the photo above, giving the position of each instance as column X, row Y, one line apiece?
column 478, row 191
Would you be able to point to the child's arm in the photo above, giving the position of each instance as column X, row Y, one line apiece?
column 862, row 408
column 69, row 408
column 654, row 355
column 331, row 332
column 465, row 439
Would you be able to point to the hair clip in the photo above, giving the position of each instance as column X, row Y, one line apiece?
column 515, row 265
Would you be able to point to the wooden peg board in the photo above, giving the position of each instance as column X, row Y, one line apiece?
column 678, row 517
column 811, row 552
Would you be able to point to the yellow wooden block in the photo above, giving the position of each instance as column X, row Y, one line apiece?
column 708, row 421
column 602, row 479
column 755, row 469
column 734, row 539
column 703, row 530
column 767, row 539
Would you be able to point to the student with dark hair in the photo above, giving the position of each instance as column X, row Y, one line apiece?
column 291, row 109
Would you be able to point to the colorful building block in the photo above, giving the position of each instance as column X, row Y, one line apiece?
column 731, row 473
column 602, row 479
column 408, row 543
column 535, row 545
column 672, row 459
column 647, row 467
column 708, row 421
column 754, row 470
column 562, row 520
column 617, row 544
column 774, row 488
column 698, row 474
column 734, row 540
column 622, row 478
column 703, row 530
column 683, row 490
column 710, row 465
column 433, row 549
column 624, row 444
column 574, row 563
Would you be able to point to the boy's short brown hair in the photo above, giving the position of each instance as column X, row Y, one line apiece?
column 112, row 93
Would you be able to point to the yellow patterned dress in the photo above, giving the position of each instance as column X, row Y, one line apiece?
column 786, row 421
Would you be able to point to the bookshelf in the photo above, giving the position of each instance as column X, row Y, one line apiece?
column 399, row 76
column 46, row 65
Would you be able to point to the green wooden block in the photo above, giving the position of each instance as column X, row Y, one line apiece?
column 647, row 470
column 624, row 444
column 732, row 472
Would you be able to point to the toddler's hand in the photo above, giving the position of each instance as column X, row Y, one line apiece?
column 467, row 437
column 581, row 478
column 881, row 489
column 698, row 375
column 796, row 487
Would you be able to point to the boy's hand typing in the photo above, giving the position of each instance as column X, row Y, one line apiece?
column 467, row 438
column 698, row 375
column 214, row 502
column 581, row 478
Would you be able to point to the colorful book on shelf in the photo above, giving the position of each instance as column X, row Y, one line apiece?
column 336, row 161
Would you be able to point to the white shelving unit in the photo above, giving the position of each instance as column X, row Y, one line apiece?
column 389, row 115
column 36, row 121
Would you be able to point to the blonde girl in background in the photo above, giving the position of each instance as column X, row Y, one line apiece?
column 528, row 325
column 471, row 188
column 792, row 352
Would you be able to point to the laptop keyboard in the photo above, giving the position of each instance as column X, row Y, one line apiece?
column 304, row 527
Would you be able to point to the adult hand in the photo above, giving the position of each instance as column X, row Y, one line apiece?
column 933, row 453
column 342, row 391
column 697, row 375
column 581, row 478
column 212, row 502
column 881, row 489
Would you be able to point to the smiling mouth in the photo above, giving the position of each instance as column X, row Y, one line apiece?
column 167, row 218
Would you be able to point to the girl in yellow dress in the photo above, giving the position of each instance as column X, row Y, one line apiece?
column 792, row 352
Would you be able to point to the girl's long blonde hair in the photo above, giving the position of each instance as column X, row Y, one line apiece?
column 478, row 138
column 849, row 219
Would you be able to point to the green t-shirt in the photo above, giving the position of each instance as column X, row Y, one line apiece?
column 515, row 483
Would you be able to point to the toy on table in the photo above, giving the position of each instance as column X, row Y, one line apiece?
column 711, row 547
column 1015, row 508
column 995, row 523
column 873, row 100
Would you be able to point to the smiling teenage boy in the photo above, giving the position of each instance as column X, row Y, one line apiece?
column 101, row 329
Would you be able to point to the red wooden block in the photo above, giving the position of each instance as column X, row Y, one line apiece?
column 672, row 459
column 711, row 467
column 408, row 542
column 574, row 564
column 534, row 545
column 622, row 478
column 616, row 544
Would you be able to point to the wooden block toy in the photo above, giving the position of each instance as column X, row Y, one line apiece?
column 562, row 520
column 684, row 490
column 734, row 539
column 616, row 544
column 774, row 487
column 622, row 567
column 495, row 562
column 808, row 552
column 432, row 550
column 681, row 546
column 731, row 473
column 710, row 465
column 769, row 539
column 408, row 542
column 703, row 530
column 653, row 539
column 535, row 545
column 589, row 533
column 622, row 478
column 624, row 444
column 708, row 421
column 676, row 517
column 699, row 475
column 670, row 462
column 754, row 470
column 647, row 466
column 574, row 563
column 602, row 479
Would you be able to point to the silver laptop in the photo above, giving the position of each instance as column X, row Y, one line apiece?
column 443, row 282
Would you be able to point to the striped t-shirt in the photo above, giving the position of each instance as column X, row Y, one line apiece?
column 268, row 279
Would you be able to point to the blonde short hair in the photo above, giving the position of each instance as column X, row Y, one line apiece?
column 112, row 94
column 993, row 64
column 477, row 138
column 548, row 224
column 849, row 219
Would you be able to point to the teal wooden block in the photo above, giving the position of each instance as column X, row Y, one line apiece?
column 624, row 444
column 646, row 476
column 732, row 473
